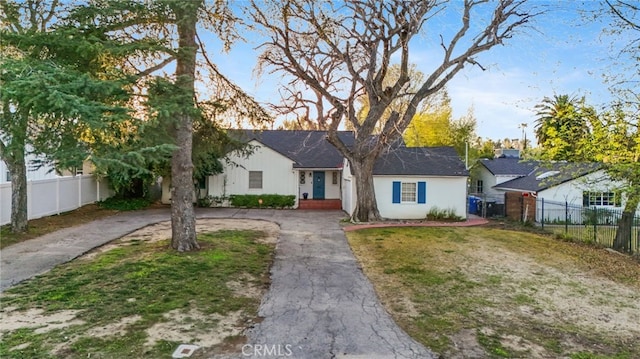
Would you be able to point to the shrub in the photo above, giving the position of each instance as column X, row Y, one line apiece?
column 268, row 200
column 449, row 214
column 124, row 204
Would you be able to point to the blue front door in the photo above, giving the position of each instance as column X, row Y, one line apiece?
column 318, row 185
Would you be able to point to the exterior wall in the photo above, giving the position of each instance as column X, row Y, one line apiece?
column 571, row 191
column 441, row 192
column 44, row 172
column 278, row 175
column 489, row 180
column 54, row 196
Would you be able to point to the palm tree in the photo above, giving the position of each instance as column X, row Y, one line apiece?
column 561, row 126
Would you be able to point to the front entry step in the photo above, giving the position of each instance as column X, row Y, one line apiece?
column 320, row 204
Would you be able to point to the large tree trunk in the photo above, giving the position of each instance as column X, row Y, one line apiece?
column 366, row 206
column 19, row 210
column 183, row 222
column 622, row 242
column 13, row 155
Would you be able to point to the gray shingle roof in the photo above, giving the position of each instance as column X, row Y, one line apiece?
column 307, row 149
column 567, row 171
column 507, row 166
column 425, row 161
column 310, row 149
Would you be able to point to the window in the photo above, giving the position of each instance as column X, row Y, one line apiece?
column 408, row 192
column 79, row 171
column 8, row 176
column 601, row 199
column 479, row 186
column 255, row 179
column 303, row 177
column 334, row 178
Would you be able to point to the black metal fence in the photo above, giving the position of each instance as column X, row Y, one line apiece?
column 589, row 224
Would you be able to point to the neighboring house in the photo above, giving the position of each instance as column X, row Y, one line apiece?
column 573, row 183
column 33, row 174
column 565, row 188
column 492, row 172
column 408, row 181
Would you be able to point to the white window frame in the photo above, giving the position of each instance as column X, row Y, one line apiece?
column 406, row 192
column 253, row 181
column 603, row 199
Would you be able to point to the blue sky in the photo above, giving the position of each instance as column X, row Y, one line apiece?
column 560, row 54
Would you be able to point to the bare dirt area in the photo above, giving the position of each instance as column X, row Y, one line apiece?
column 486, row 293
column 189, row 325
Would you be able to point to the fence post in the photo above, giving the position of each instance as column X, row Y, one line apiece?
column 57, row 195
column 595, row 227
column 542, row 215
column 79, row 177
column 566, row 217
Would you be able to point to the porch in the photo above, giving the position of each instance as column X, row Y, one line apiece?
column 329, row 204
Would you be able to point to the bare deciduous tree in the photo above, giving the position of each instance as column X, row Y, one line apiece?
column 336, row 52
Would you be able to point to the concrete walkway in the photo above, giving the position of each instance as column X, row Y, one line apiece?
column 320, row 304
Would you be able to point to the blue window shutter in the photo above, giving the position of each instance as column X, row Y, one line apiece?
column 422, row 192
column 396, row 192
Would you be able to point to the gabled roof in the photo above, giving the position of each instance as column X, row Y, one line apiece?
column 310, row 149
column 422, row 161
column 509, row 166
column 545, row 176
column 307, row 149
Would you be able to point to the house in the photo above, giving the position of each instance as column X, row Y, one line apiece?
column 34, row 173
column 408, row 181
column 489, row 173
column 566, row 188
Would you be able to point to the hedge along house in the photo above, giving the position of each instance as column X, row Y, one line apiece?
column 299, row 163
column 411, row 181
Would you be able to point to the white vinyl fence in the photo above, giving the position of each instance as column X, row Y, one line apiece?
column 54, row 196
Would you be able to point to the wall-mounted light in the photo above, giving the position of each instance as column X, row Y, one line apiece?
column 310, row 174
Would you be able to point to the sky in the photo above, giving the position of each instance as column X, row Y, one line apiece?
column 560, row 53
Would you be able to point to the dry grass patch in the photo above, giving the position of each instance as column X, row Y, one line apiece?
column 479, row 292
column 137, row 298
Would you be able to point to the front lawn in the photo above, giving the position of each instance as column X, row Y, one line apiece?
column 482, row 292
column 137, row 298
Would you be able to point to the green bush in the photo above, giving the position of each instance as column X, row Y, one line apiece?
column 124, row 204
column 436, row 214
column 268, row 200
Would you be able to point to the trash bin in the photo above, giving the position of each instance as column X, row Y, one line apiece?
column 473, row 204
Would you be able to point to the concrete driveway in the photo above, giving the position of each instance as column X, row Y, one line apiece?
column 320, row 304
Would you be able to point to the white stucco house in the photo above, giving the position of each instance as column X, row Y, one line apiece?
column 408, row 181
column 566, row 188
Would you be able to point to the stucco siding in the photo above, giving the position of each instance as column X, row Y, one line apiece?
column 441, row 192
